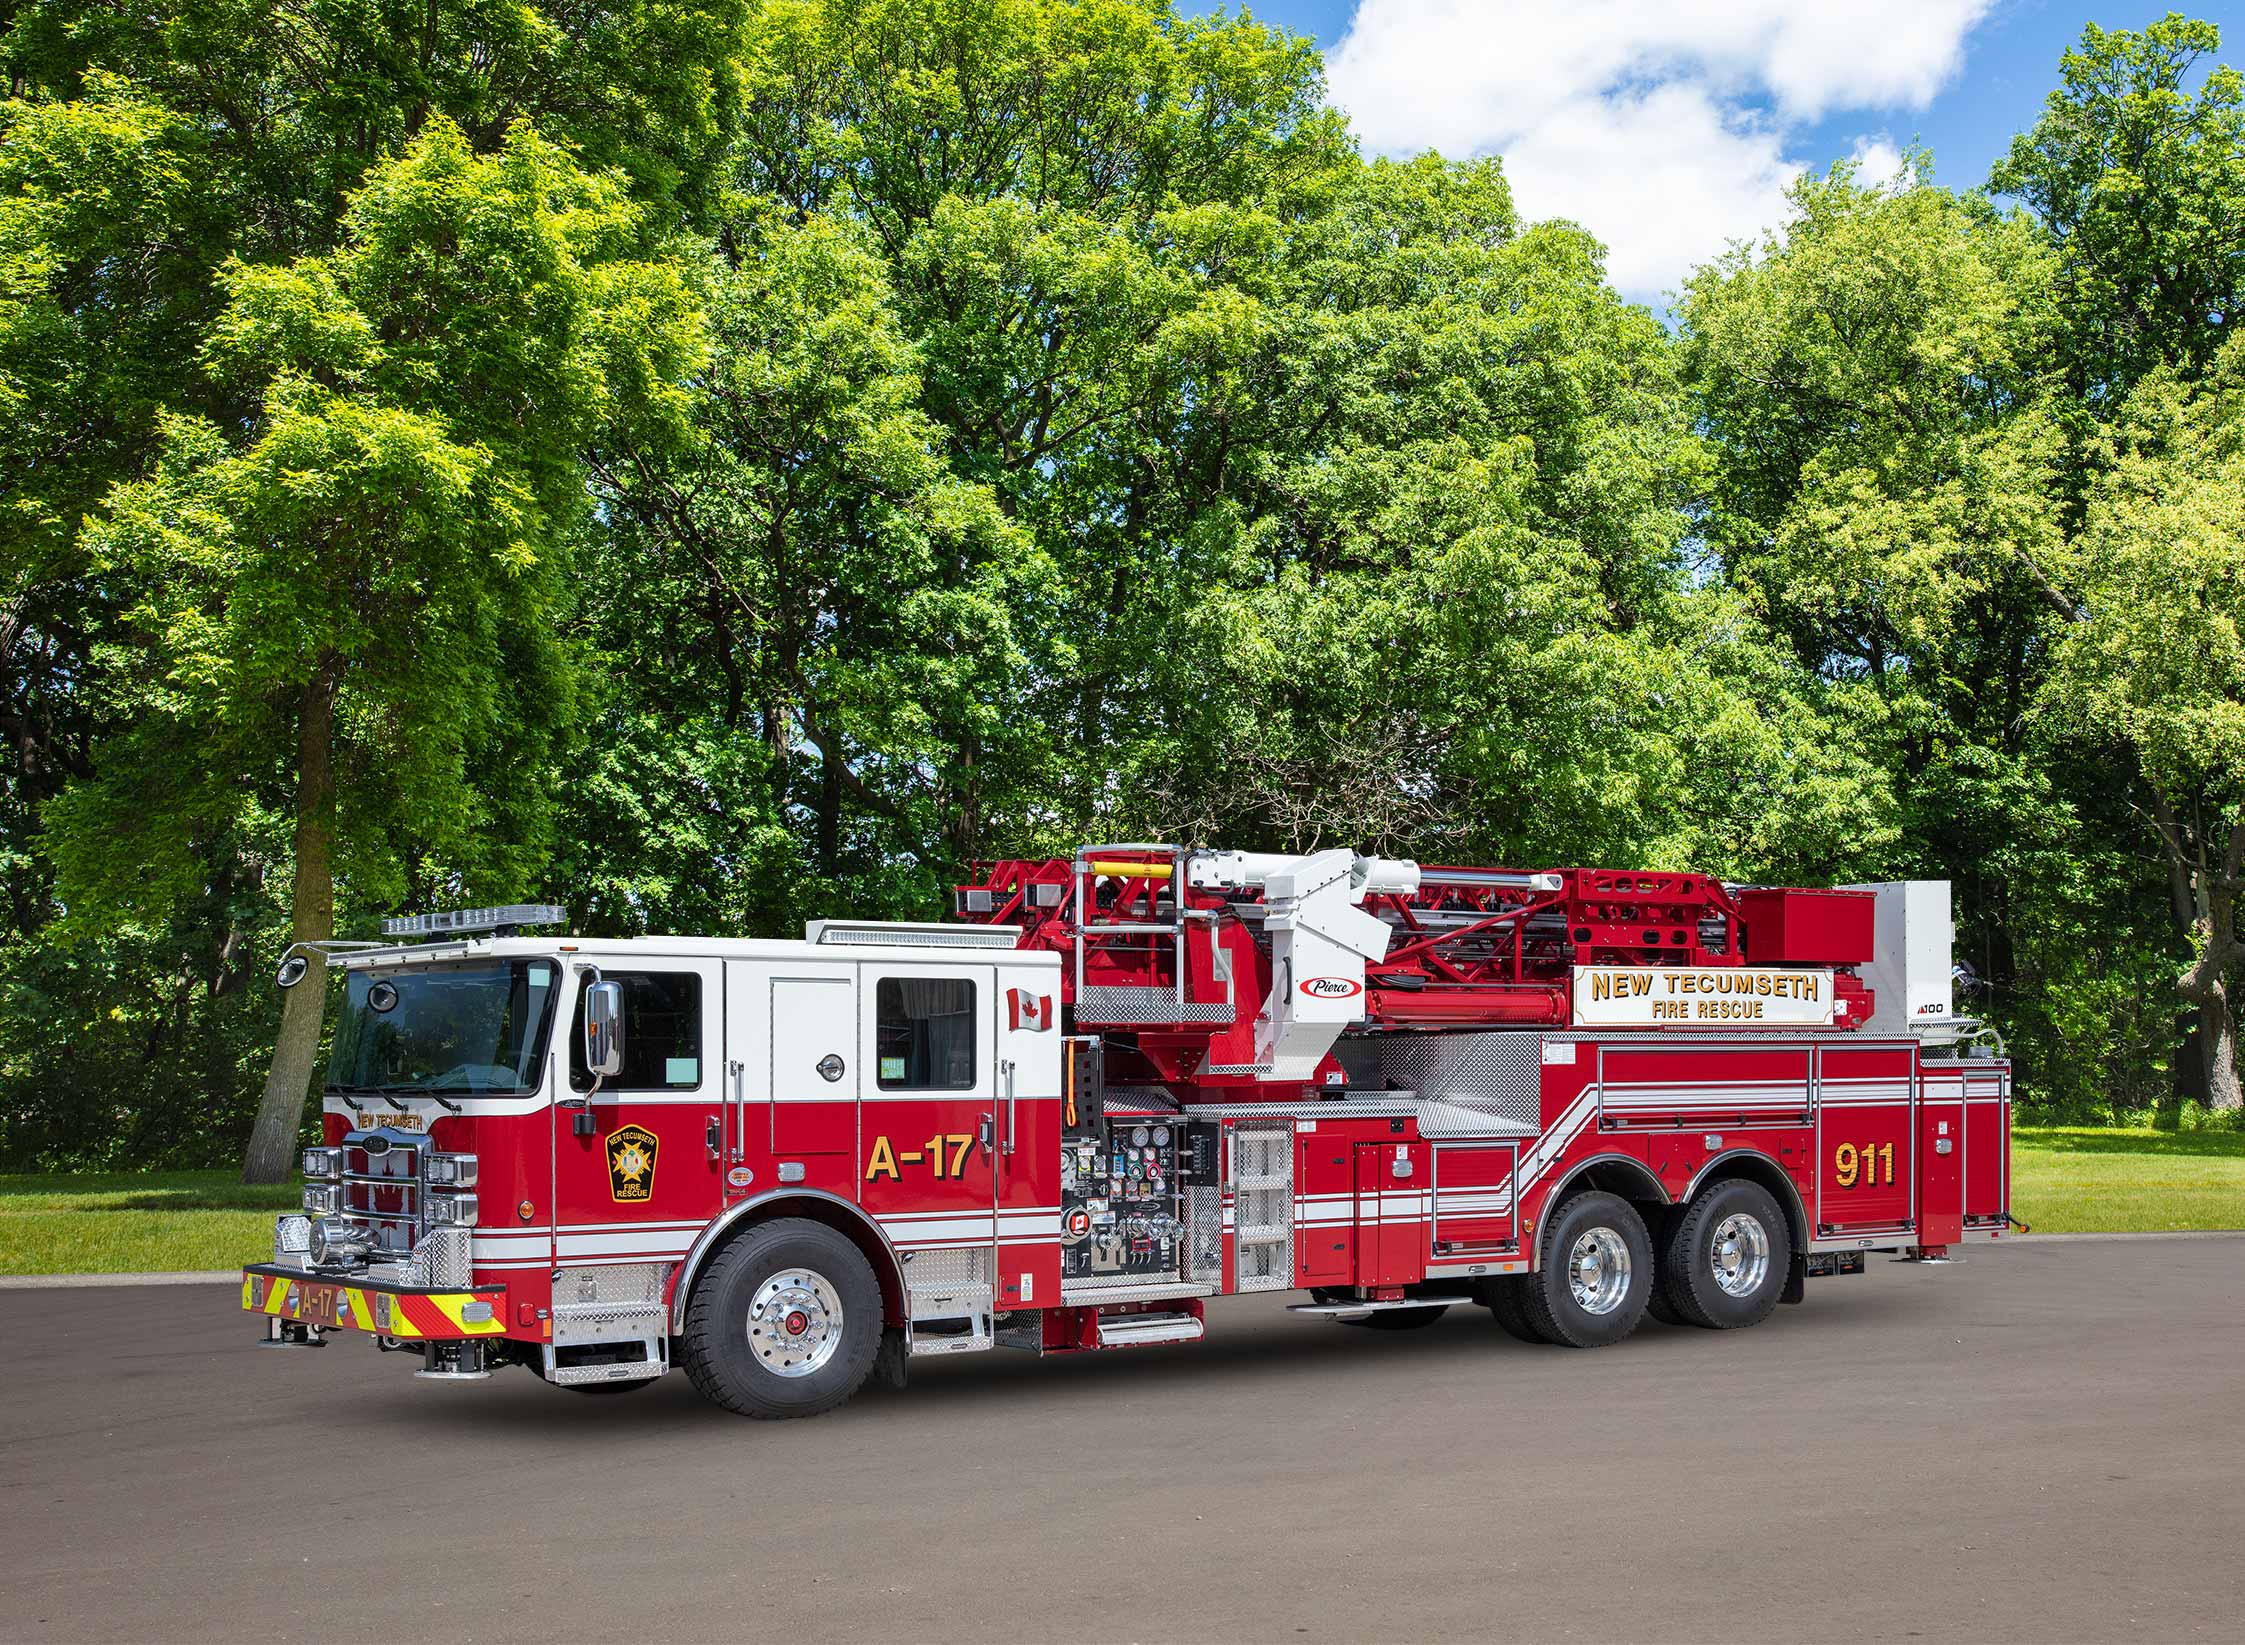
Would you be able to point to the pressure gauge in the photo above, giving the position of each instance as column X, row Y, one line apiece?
column 1161, row 1136
column 1138, row 1136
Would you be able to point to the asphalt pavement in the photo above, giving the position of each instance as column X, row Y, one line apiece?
column 2045, row 1442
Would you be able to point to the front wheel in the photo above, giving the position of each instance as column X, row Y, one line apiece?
column 1597, row 1273
column 785, row 1322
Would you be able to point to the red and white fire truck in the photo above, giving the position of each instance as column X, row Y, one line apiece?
column 1117, row 1086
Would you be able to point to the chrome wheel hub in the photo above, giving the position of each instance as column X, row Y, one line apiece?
column 1598, row 1271
column 795, row 1322
column 1740, row 1255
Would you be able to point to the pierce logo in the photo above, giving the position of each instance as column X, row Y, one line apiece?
column 1331, row 988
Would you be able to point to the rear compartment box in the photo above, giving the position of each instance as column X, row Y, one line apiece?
column 1785, row 926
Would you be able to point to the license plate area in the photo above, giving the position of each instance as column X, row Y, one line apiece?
column 318, row 1304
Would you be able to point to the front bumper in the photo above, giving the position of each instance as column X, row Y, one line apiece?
column 399, row 1311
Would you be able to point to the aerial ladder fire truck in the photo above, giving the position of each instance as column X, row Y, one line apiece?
column 1114, row 1087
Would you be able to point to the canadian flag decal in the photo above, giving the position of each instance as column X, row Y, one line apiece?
column 1027, row 1010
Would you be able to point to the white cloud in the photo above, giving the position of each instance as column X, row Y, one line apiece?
column 1660, row 125
column 1877, row 161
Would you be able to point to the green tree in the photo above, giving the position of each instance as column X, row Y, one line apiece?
column 354, row 599
column 2157, row 666
column 2140, row 185
column 835, row 630
column 1883, row 389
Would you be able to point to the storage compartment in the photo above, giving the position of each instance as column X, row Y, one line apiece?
column 1910, row 971
column 1793, row 927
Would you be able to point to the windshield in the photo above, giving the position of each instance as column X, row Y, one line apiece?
column 473, row 1027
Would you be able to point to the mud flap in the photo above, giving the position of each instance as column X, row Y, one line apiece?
column 1796, row 1280
column 889, row 1359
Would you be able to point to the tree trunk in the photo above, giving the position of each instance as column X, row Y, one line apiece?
column 2196, row 1029
column 2214, row 888
column 2218, row 1039
column 272, row 1141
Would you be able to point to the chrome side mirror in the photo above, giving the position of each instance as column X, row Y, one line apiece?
column 604, row 1028
column 293, row 967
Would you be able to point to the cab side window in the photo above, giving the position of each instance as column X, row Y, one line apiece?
column 924, row 1033
column 662, row 1033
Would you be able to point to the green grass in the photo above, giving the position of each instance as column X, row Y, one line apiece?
column 2069, row 1180
column 2063, row 1180
column 136, row 1222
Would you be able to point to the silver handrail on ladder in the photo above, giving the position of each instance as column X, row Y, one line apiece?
column 1174, row 929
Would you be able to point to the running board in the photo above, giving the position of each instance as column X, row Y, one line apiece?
column 957, row 1334
column 1144, row 1330
column 654, row 1360
column 1355, row 1310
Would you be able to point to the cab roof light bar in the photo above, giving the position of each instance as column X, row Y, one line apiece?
column 453, row 922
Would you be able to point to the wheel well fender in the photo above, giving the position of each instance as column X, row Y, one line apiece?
column 813, row 1205
column 1622, row 1175
column 1752, row 1165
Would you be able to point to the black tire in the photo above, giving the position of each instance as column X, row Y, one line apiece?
column 728, row 1370
column 1689, row 1265
column 1657, row 1305
column 1508, row 1304
column 1552, row 1306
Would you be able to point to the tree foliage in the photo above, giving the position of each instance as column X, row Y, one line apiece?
column 726, row 464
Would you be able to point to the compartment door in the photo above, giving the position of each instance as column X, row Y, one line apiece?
column 1941, row 1148
column 1987, row 1143
column 1324, row 1209
column 1866, row 1140
column 1391, row 1214
column 1473, row 1198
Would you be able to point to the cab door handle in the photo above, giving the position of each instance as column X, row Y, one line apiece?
column 714, row 1135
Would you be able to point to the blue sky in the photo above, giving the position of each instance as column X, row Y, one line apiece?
column 1670, row 127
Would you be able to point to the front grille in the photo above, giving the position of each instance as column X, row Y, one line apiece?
column 382, row 1185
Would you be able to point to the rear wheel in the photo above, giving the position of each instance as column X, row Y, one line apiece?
column 785, row 1322
column 1596, row 1276
column 1728, row 1257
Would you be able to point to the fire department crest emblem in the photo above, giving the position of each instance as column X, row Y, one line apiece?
column 631, row 1164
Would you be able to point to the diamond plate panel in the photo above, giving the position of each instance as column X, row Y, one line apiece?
column 947, row 1270
column 442, row 1257
column 1498, row 1074
column 1204, row 1233
column 1110, row 1004
column 617, row 1282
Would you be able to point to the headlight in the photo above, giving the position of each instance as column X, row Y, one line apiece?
column 452, row 1210
column 323, row 1162
column 323, row 1198
column 336, row 1242
column 450, row 1170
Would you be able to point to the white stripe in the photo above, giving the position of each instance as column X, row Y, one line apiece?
column 617, row 1244
column 507, row 1245
column 610, row 1227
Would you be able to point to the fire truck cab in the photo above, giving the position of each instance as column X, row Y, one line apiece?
column 1115, row 1087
